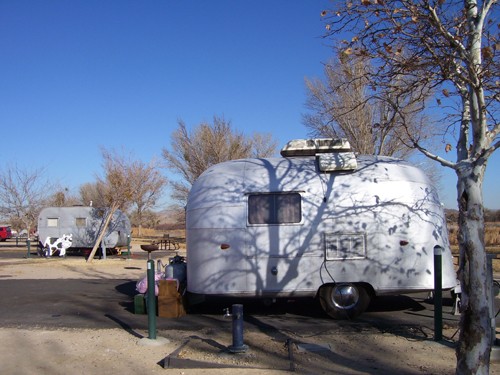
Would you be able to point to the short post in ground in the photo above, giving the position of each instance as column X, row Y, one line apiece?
column 438, row 294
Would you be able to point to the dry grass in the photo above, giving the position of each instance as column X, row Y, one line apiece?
column 491, row 240
column 491, row 234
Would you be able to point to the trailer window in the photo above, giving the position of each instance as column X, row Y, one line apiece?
column 280, row 208
column 81, row 222
column 52, row 222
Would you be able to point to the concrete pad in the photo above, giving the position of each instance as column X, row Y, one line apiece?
column 159, row 341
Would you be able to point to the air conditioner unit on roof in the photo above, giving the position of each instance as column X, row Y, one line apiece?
column 311, row 147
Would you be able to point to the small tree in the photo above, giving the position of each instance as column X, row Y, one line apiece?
column 126, row 182
column 147, row 187
column 448, row 49
column 149, row 219
column 208, row 144
column 23, row 193
column 116, row 188
column 62, row 197
column 93, row 194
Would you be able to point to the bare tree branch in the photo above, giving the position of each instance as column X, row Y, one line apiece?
column 192, row 153
column 126, row 182
column 23, row 193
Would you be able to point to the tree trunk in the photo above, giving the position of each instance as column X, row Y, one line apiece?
column 139, row 219
column 102, row 233
column 473, row 351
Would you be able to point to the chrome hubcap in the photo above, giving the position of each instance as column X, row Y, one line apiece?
column 345, row 296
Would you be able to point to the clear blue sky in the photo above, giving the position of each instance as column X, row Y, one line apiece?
column 78, row 75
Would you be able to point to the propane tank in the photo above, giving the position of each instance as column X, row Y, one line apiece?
column 176, row 269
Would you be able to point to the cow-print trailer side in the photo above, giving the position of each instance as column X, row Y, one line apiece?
column 83, row 223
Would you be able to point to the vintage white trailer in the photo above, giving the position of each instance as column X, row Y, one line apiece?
column 84, row 223
column 319, row 221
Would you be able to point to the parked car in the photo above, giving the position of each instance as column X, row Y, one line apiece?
column 5, row 233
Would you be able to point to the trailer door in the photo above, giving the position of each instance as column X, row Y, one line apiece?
column 276, row 248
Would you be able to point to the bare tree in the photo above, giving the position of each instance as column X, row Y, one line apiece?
column 342, row 106
column 126, row 182
column 149, row 219
column 62, row 197
column 263, row 145
column 116, row 189
column 23, row 193
column 148, row 185
column 448, row 49
column 93, row 194
column 208, row 144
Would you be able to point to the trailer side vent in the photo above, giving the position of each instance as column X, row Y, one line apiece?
column 345, row 246
column 311, row 147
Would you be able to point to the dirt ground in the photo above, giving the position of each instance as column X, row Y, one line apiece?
column 120, row 351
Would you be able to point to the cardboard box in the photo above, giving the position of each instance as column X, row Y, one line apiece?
column 170, row 303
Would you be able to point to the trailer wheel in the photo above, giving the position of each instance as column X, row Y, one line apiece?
column 344, row 300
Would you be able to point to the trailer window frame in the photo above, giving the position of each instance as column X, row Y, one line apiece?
column 274, row 208
column 81, row 222
column 344, row 246
column 52, row 222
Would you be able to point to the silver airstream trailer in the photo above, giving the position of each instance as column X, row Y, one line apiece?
column 84, row 224
column 319, row 221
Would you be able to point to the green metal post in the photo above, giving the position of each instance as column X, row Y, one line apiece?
column 151, row 300
column 438, row 294
column 128, row 246
column 489, row 280
column 28, row 242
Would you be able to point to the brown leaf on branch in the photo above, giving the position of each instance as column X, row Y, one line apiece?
column 487, row 53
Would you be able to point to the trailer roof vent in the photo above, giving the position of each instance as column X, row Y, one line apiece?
column 311, row 147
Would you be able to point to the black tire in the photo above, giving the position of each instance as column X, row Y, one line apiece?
column 343, row 301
